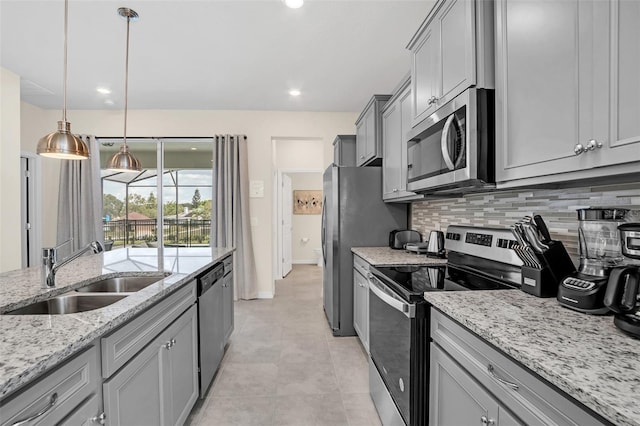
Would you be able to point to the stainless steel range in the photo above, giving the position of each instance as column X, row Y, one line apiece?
column 478, row 259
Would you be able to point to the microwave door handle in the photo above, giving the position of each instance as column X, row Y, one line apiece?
column 406, row 309
column 446, row 155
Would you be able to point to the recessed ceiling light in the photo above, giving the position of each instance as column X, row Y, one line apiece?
column 193, row 148
column 294, row 92
column 294, row 4
column 108, row 102
column 103, row 90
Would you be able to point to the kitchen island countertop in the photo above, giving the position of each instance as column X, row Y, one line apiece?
column 32, row 344
column 586, row 356
column 385, row 256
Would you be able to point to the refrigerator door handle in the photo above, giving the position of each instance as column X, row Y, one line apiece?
column 324, row 228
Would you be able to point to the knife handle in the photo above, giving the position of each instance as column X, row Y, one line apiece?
column 542, row 227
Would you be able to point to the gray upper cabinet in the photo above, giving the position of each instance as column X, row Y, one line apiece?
column 396, row 122
column 344, row 151
column 568, row 97
column 451, row 51
column 369, row 132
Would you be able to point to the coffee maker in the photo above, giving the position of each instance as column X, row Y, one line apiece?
column 600, row 252
column 623, row 289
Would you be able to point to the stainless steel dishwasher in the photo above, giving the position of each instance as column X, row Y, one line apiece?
column 210, row 325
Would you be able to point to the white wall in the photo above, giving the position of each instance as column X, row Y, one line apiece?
column 305, row 226
column 261, row 128
column 10, row 241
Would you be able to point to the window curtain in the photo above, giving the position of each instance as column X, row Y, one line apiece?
column 79, row 200
column 232, row 226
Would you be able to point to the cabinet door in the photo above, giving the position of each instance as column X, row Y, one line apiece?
column 88, row 413
column 456, row 21
column 136, row 395
column 361, row 142
column 425, row 64
column 549, row 91
column 392, row 149
column 371, row 139
column 454, row 397
column 358, row 305
column 623, row 144
column 181, row 370
column 227, row 305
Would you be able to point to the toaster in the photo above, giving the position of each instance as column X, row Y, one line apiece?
column 400, row 237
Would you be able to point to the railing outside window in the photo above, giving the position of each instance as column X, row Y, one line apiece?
column 177, row 232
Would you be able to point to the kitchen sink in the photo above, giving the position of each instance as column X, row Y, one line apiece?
column 120, row 284
column 69, row 304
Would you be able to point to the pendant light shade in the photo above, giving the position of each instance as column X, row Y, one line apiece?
column 63, row 144
column 124, row 161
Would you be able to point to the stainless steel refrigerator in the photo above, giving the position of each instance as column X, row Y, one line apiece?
column 353, row 215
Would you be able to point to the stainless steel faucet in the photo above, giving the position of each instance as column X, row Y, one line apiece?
column 50, row 264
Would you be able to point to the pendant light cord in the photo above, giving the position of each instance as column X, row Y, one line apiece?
column 126, row 84
column 64, row 82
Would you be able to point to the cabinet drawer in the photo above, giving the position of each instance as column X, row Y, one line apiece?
column 532, row 400
column 121, row 345
column 85, row 413
column 361, row 265
column 71, row 383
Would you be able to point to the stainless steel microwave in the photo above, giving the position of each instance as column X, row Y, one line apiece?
column 452, row 150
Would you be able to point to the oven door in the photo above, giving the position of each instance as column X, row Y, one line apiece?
column 390, row 329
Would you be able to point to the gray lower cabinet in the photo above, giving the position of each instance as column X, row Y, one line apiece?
column 159, row 385
column 585, row 65
column 457, row 399
column 488, row 381
column 59, row 397
column 361, row 300
column 227, row 299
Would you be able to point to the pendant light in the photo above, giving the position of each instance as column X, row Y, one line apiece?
column 63, row 144
column 124, row 161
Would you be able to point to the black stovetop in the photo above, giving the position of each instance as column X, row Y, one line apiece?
column 411, row 282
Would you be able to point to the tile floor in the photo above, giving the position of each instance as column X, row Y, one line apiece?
column 284, row 367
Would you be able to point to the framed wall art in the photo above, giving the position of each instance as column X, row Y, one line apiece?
column 307, row 201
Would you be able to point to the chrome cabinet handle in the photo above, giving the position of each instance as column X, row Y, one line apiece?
column 485, row 421
column 52, row 402
column 167, row 345
column 362, row 157
column 492, row 371
column 100, row 419
column 579, row 149
column 432, row 100
column 173, row 342
column 593, row 144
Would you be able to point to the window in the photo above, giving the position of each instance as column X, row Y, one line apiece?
column 131, row 217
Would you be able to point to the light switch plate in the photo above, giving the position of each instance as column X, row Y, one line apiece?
column 256, row 189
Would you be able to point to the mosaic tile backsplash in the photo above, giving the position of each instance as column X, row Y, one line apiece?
column 504, row 208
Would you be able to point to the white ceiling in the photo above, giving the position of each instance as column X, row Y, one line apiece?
column 211, row 54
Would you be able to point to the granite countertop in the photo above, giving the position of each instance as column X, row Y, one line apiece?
column 31, row 344
column 584, row 355
column 385, row 256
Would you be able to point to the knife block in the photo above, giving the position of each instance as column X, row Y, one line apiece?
column 556, row 264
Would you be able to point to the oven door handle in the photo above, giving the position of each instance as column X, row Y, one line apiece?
column 409, row 310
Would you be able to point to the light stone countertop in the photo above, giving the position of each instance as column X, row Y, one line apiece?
column 32, row 344
column 586, row 356
column 385, row 256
